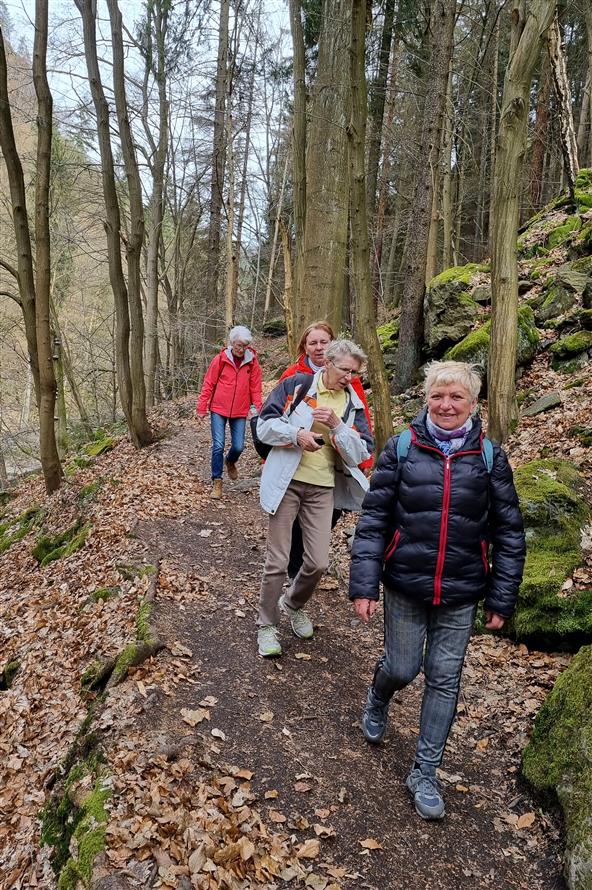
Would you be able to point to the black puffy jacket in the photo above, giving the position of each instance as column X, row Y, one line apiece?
column 429, row 527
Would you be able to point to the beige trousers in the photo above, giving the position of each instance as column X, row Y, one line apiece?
column 313, row 505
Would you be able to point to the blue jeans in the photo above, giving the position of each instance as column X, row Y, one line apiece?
column 237, row 437
column 435, row 637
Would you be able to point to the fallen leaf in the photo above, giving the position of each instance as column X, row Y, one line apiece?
column 310, row 849
column 462, row 788
column 482, row 744
column 370, row 844
column 243, row 774
column 179, row 649
column 205, row 532
column 218, row 734
column 208, row 702
column 302, row 787
column 525, row 820
column 316, row 882
column 322, row 814
column 270, row 795
column 194, row 717
column 276, row 816
column 266, row 716
column 303, row 656
column 324, row 831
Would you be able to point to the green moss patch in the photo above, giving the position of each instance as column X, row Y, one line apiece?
column 104, row 593
column 12, row 530
column 50, row 548
column 94, row 449
column 88, row 492
column 8, row 673
column 558, row 761
column 475, row 346
column 462, row 274
column 554, row 511
column 572, row 345
column 388, row 334
column 561, row 233
column 74, row 824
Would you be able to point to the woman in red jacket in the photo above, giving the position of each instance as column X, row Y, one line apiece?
column 232, row 386
column 311, row 358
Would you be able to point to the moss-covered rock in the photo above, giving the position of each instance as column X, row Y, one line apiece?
column 274, row 327
column 15, row 529
column 449, row 309
column 49, row 548
column 100, row 446
column 475, row 346
column 558, row 762
column 554, row 510
column 8, row 673
column 74, row 824
column 572, row 345
column 555, row 301
column 560, row 234
column 388, row 334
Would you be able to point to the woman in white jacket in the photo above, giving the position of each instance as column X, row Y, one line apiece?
column 312, row 468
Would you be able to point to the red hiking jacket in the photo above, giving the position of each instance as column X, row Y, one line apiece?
column 228, row 390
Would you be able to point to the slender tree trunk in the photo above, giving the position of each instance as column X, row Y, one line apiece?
column 135, row 238
column 493, row 126
column 447, row 212
column 327, row 195
column 231, row 269
column 527, row 38
column 432, row 251
column 62, row 432
column 212, row 295
column 288, row 283
column 276, row 230
column 50, row 459
column 585, row 123
column 569, row 148
column 298, row 165
column 113, row 216
column 540, row 137
column 377, row 104
column 411, row 331
column 365, row 317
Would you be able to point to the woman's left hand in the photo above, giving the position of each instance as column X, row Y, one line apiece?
column 326, row 416
column 493, row 621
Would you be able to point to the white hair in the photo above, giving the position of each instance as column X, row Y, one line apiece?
column 443, row 373
column 240, row 332
column 338, row 348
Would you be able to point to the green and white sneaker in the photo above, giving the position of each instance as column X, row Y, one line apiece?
column 267, row 640
column 299, row 620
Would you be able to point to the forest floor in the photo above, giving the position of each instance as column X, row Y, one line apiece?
column 228, row 770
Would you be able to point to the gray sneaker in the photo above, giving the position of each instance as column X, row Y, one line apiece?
column 299, row 620
column 425, row 789
column 267, row 640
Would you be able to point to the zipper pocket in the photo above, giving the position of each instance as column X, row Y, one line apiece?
column 392, row 546
column 484, row 556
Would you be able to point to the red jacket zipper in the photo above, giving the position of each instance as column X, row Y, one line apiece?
column 392, row 546
column 444, row 520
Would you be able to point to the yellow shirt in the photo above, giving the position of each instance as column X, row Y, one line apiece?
column 318, row 467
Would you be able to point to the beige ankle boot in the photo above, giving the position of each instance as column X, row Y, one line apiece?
column 216, row 489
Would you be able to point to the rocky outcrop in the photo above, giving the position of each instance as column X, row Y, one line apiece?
column 549, row 613
column 475, row 347
column 558, row 762
column 449, row 309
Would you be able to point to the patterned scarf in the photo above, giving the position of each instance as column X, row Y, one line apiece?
column 449, row 441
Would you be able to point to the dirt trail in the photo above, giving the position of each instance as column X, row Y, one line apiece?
column 294, row 722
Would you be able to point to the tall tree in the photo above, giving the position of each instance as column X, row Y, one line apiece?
column 132, row 402
column 411, row 332
column 364, row 315
column 298, row 163
column 569, row 148
column 34, row 285
column 528, row 34
column 323, row 284
column 377, row 104
column 214, row 316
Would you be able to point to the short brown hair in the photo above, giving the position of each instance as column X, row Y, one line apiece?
column 320, row 325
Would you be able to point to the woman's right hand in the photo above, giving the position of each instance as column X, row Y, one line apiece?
column 307, row 441
column 365, row 608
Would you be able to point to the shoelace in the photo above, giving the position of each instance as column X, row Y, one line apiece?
column 429, row 786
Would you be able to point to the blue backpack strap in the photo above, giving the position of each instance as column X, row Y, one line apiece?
column 487, row 453
column 403, row 443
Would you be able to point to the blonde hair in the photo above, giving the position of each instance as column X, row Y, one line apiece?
column 317, row 325
column 442, row 373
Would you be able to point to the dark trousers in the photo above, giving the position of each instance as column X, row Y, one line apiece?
column 297, row 546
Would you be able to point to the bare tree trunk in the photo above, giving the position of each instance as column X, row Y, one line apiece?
column 231, row 266
column 113, row 216
column 569, row 146
column 288, row 283
column 158, row 24
column 493, row 126
column 365, row 317
column 135, row 238
column 377, row 104
column 298, row 165
column 447, row 214
column 34, row 295
column 411, row 331
column 274, row 242
column 584, row 139
column 212, row 295
column 540, row 136
column 327, row 196
column 432, row 251
column 48, row 449
column 527, row 38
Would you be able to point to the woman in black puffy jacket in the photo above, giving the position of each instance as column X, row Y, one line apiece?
column 441, row 528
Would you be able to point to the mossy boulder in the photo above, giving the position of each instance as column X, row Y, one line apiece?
column 555, row 301
column 15, row 529
column 475, row 346
column 560, row 234
column 558, row 762
column 573, row 346
column 51, row 547
column 99, row 446
column 388, row 334
column 554, row 511
column 449, row 309
column 274, row 327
